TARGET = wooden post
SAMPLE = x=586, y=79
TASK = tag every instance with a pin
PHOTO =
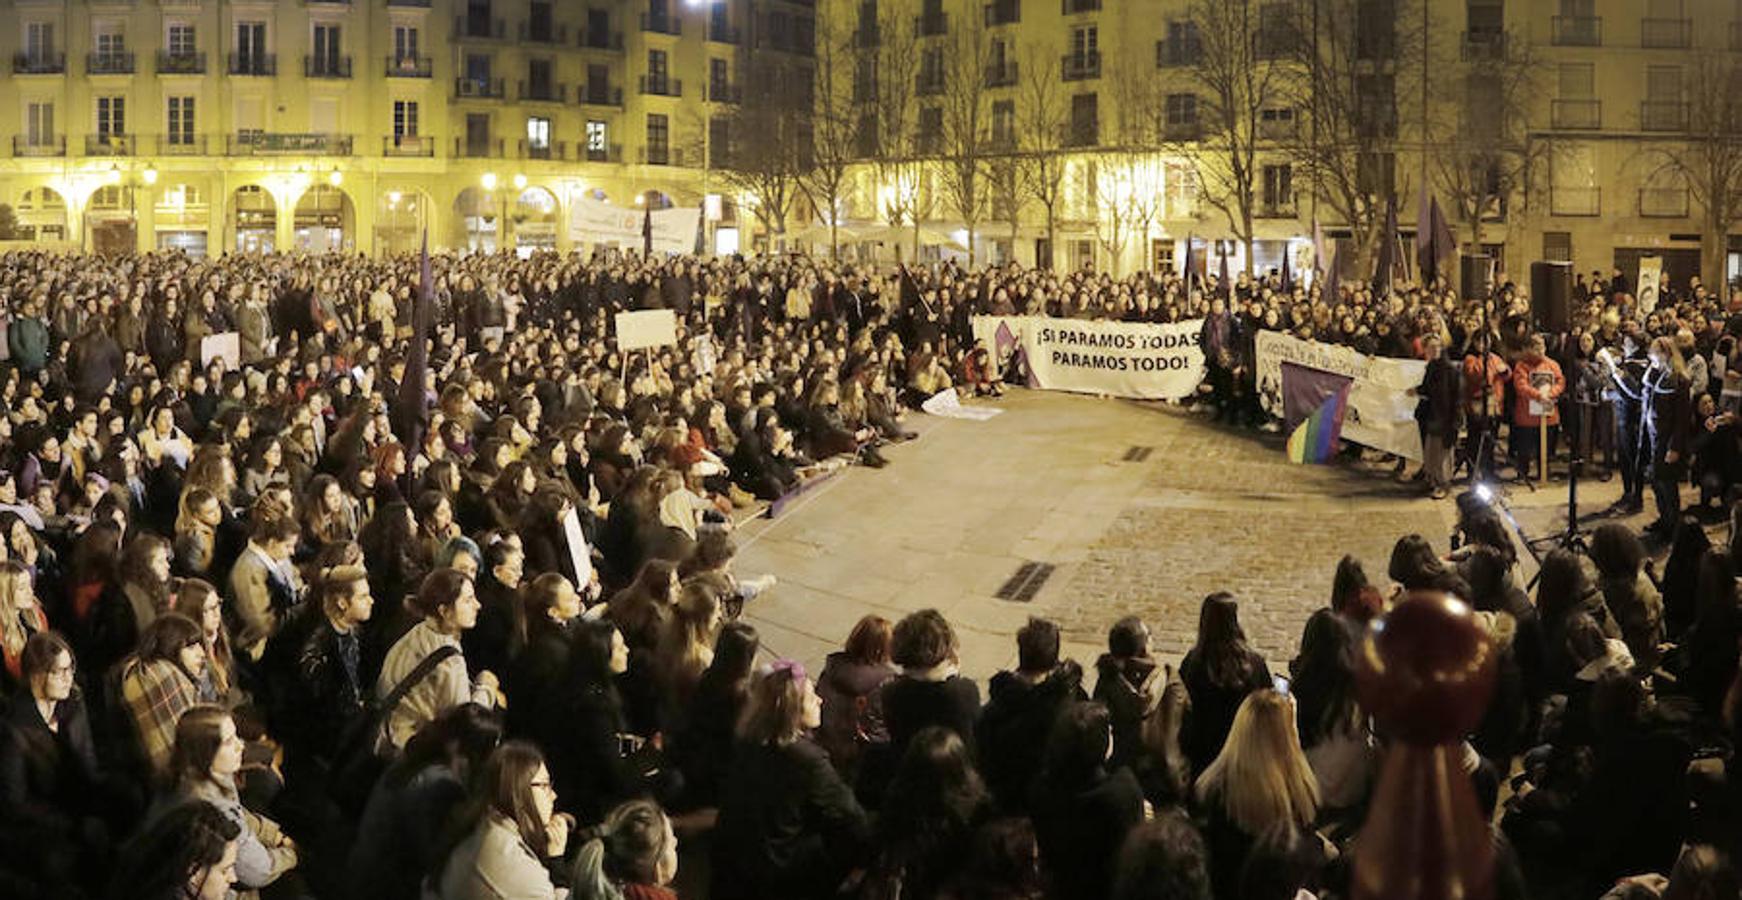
x=1425, y=673
x=1542, y=450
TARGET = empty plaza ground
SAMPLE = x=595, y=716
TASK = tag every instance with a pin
x=960, y=511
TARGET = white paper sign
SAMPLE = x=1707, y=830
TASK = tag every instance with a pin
x=579, y=555
x=646, y=328
x=1650, y=270
x=946, y=404
x=226, y=346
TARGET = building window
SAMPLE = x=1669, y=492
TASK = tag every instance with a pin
x=718, y=79
x=326, y=48
x=405, y=118
x=111, y=115
x=39, y=123
x=1182, y=110
x=656, y=66
x=538, y=133
x=1004, y=123
x=404, y=42
x=1557, y=246
x=931, y=129
x=1085, y=120
x=1279, y=187
x=39, y=40
x=1085, y=42
x=180, y=124
x=180, y=41
x=597, y=138
x=110, y=44
x=251, y=41
x=658, y=139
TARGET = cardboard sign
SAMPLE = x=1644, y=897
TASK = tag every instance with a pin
x=226, y=346
x=646, y=328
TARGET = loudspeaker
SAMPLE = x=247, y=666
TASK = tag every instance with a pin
x=1551, y=295
x=1474, y=271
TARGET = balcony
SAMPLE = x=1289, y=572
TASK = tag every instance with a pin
x=408, y=145
x=253, y=64
x=1072, y=7
x=1483, y=46
x=1172, y=54
x=550, y=150
x=723, y=33
x=661, y=86
x=479, y=29
x=661, y=156
x=1666, y=34
x=928, y=84
x=661, y=24
x=1081, y=66
x=326, y=67
x=543, y=92
x=1081, y=134
x=182, y=145
x=1003, y=12
x=478, y=148
x=43, y=145
x=416, y=4
x=612, y=153
x=599, y=95
x=479, y=88
x=108, y=64
x=271, y=143
x=1185, y=130
x=1002, y=76
x=1583, y=115
x=1578, y=31
x=1281, y=209
x=545, y=33
x=410, y=67
x=111, y=145
x=601, y=40
x=1277, y=129
x=39, y=64
x=1663, y=115
x=1575, y=201
x=932, y=25
x=1663, y=203
x=172, y=63
x=723, y=93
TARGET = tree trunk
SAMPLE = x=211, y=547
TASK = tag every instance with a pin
x=1714, y=256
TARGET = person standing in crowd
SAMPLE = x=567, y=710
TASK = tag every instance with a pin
x=1668, y=421
x=1485, y=378
x=1625, y=390
x=1537, y=384
x=1436, y=412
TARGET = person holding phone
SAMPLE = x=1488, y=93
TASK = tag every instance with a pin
x=1712, y=445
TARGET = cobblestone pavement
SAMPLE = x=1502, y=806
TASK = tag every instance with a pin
x=960, y=510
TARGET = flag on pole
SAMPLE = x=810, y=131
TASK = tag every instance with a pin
x=647, y=229
x=1314, y=403
x=1188, y=266
x=1332, y=287
x=410, y=407
x=1386, y=265
x=1226, y=283
x=1318, y=251
x=1287, y=277
x=1442, y=247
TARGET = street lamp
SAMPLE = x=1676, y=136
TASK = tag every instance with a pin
x=335, y=177
x=519, y=182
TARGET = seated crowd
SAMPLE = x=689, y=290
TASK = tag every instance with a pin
x=320, y=627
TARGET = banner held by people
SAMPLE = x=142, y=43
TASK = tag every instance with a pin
x=1380, y=413
x=1122, y=359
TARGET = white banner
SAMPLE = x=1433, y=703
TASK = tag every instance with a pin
x=1381, y=414
x=1650, y=270
x=596, y=222
x=646, y=328
x=1123, y=359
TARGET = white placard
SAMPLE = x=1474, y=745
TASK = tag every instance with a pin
x=646, y=328
x=226, y=346
x=579, y=555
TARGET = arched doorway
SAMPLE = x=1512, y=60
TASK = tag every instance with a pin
x=181, y=217
x=42, y=215
x=254, y=219
x=535, y=221
x=323, y=221
x=478, y=220
x=110, y=217
x=401, y=216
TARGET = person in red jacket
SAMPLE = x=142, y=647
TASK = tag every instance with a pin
x=1537, y=383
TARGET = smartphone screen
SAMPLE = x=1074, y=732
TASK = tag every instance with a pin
x=1280, y=682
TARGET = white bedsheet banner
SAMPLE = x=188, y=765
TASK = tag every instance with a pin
x=596, y=222
x=1121, y=359
x=1381, y=414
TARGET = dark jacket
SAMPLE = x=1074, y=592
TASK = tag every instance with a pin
x=852, y=709
x=1214, y=704
x=912, y=704
x=534, y=680
x=789, y=827
x=579, y=738
x=399, y=837
x=1079, y=829
x=488, y=645
x=48, y=779
x=319, y=682
x=27, y=339
x=1437, y=399
x=1014, y=726
x=1121, y=684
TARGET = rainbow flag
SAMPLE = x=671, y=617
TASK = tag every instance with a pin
x=1314, y=440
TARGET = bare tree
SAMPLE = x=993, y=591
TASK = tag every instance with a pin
x=834, y=126
x=1483, y=153
x=966, y=123
x=886, y=55
x=768, y=142
x=1708, y=158
x=1236, y=75
x=1355, y=83
x=1042, y=118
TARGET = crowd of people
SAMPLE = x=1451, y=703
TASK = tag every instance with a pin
x=357, y=618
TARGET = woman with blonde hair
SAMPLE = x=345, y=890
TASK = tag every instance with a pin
x=196, y=532
x=20, y=617
x=200, y=601
x=1261, y=778
x=686, y=647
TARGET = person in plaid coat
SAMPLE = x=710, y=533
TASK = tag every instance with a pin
x=157, y=685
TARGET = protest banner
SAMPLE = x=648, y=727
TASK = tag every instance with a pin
x=1650, y=271
x=1380, y=412
x=597, y=222
x=1121, y=359
x=226, y=346
x=646, y=328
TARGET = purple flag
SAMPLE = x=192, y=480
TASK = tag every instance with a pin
x=410, y=408
x=1386, y=265
x=1305, y=389
x=1227, y=284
